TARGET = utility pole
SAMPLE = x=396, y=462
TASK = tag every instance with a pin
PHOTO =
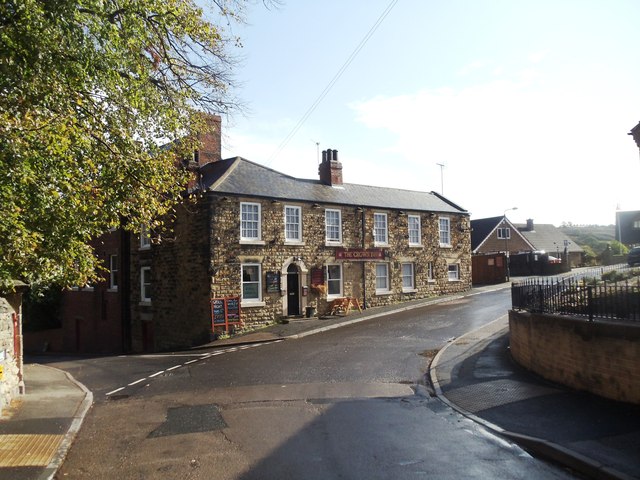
x=441, y=165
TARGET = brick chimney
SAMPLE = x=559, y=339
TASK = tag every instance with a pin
x=529, y=225
x=330, y=169
x=211, y=150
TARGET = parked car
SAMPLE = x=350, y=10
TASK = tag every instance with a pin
x=634, y=256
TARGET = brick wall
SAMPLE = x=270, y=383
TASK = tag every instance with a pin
x=599, y=357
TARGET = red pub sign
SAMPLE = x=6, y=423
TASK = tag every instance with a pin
x=362, y=254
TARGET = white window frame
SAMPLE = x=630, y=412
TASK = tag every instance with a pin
x=251, y=300
x=430, y=272
x=329, y=280
x=113, y=272
x=411, y=276
x=380, y=235
x=145, y=285
x=330, y=239
x=252, y=223
x=415, y=234
x=290, y=213
x=453, y=268
x=145, y=237
x=387, y=288
x=504, y=233
x=444, y=233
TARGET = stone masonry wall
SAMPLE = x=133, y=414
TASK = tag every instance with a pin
x=9, y=358
x=227, y=255
x=599, y=357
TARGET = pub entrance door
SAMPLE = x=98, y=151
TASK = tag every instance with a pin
x=293, y=290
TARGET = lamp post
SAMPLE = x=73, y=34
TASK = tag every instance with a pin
x=506, y=240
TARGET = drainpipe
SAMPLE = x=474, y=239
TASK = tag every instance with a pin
x=364, y=264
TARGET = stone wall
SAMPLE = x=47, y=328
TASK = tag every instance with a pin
x=10, y=356
x=599, y=357
x=227, y=255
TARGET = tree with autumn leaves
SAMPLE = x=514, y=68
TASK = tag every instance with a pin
x=90, y=91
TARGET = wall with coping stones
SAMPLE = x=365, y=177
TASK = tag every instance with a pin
x=600, y=357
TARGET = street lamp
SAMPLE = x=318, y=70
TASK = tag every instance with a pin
x=506, y=239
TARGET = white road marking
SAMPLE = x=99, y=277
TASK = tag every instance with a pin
x=156, y=374
x=173, y=368
x=114, y=391
x=137, y=381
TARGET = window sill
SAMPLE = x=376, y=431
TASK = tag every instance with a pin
x=409, y=290
x=415, y=245
x=383, y=292
x=112, y=290
x=146, y=247
x=145, y=303
x=252, y=304
x=454, y=280
x=333, y=244
x=252, y=242
x=294, y=243
x=378, y=245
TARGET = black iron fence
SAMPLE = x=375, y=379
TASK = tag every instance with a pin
x=585, y=296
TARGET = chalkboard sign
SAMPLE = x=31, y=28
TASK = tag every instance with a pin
x=225, y=311
x=233, y=309
x=217, y=311
x=273, y=282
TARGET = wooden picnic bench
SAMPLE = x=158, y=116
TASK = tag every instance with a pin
x=343, y=305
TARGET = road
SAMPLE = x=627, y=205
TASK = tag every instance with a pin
x=349, y=403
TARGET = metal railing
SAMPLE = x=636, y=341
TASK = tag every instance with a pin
x=583, y=295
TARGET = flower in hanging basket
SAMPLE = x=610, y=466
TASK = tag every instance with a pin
x=321, y=289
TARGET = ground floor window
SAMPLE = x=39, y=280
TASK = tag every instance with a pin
x=382, y=278
x=251, y=282
x=113, y=272
x=145, y=284
x=430, y=275
x=334, y=280
x=454, y=272
x=408, y=278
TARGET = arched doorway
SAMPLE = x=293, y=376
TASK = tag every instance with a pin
x=293, y=290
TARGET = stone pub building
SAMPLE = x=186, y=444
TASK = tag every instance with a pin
x=275, y=243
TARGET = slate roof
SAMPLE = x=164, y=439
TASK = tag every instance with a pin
x=241, y=177
x=543, y=236
x=481, y=229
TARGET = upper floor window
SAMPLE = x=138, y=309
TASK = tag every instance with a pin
x=251, y=282
x=113, y=272
x=145, y=284
x=445, y=232
x=145, y=237
x=636, y=224
x=292, y=224
x=408, y=277
x=382, y=278
x=414, y=229
x=504, y=233
x=334, y=280
x=380, y=232
x=333, y=226
x=250, y=224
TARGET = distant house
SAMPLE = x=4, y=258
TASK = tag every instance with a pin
x=531, y=248
x=628, y=227
x=550, y=239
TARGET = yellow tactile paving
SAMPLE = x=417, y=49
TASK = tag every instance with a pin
x=28, y=450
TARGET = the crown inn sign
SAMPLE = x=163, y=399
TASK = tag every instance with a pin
x=362, y=254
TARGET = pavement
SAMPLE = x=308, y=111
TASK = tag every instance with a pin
x=474, y=374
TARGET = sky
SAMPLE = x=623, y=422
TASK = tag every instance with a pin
x=526, y=104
